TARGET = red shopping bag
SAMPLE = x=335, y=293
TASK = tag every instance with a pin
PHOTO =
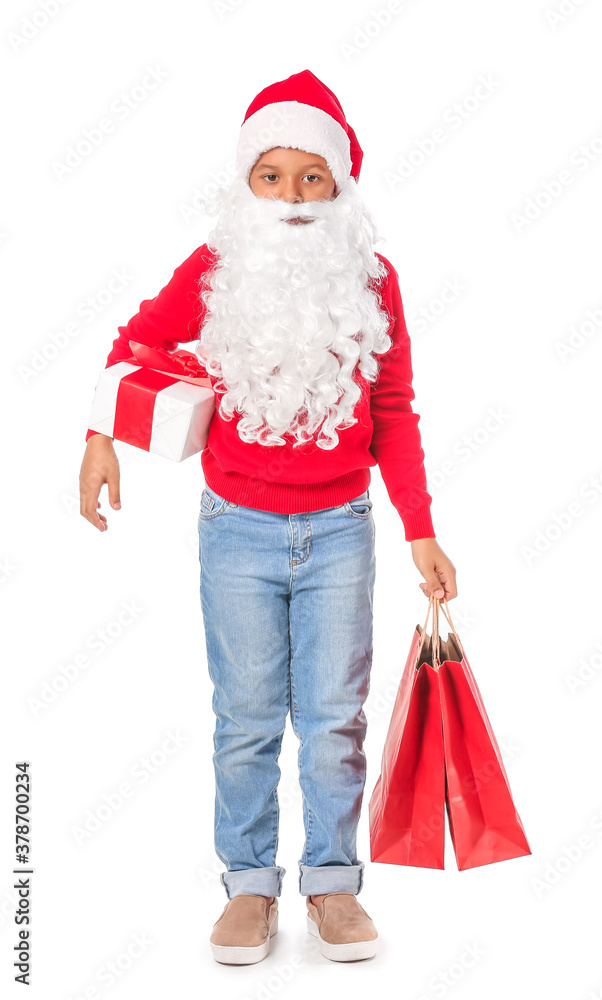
x=407, y=805
x=441, y=754
x=484, y=824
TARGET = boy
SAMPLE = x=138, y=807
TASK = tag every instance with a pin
x=302, y=332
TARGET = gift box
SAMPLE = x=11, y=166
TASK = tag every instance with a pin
x=156, y=400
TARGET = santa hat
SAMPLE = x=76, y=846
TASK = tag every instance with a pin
x=299, y=112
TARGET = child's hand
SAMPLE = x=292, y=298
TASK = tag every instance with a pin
x=438, y=571
x=100, y=465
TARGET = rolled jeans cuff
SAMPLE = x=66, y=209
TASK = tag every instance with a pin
x=330, y=878
x=254, y=881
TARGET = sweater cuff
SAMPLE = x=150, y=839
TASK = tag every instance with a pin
x=418, y=523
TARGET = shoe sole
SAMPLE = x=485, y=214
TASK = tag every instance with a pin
x=238, y=955
x=351, y=951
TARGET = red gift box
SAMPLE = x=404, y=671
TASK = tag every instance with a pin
x=156, y=400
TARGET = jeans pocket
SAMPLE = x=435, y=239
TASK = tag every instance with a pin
x=360, y=507
x=212, y=505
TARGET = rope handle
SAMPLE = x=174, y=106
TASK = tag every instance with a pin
x=447, y=614
x=435, y=604
x=435, y=636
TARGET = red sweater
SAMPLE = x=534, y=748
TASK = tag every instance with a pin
x=289, y=480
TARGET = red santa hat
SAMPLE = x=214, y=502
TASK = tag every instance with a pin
x=302, y=113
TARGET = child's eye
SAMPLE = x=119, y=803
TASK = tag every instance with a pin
x=269, y=177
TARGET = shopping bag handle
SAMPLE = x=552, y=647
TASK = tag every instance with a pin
x=435, y=648
x=447, y=614
x=434, y=604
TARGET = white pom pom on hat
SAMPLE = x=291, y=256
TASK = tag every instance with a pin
x=301, y=113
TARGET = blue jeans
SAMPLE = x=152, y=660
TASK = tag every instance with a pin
x=287, y=602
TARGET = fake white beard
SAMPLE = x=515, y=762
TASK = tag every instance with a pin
x=291, y=309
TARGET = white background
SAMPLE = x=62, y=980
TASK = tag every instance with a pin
x=516, y=517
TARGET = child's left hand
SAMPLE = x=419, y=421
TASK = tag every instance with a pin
x=438, y=571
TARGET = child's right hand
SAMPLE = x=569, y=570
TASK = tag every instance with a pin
x=100, y=465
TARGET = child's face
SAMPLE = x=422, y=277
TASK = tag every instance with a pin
x=291, y=175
